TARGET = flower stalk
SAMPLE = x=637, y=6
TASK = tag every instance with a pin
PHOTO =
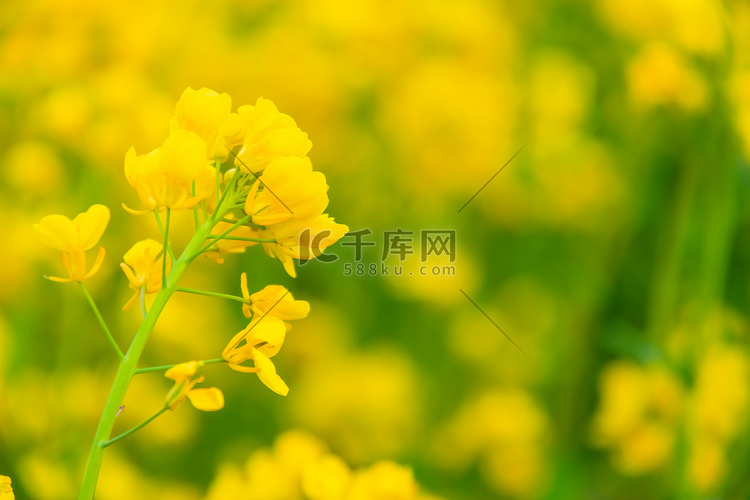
x=103, y=324
x=128, y=365
x=248, y=209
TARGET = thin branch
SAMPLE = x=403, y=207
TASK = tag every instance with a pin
x=104, y=326
x=164, y=368
x=143, y=424
x=161, y=230
x=166, y=245
x=217, y=238
x=212, y=294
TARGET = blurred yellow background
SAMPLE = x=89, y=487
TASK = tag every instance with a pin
x=614, y=249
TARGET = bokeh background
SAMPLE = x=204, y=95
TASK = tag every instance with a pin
x=614, y=249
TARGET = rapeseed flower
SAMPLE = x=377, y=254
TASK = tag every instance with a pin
x=6, y=491
x=73, y=238
x=291, y=190
x=273, y=300
x=638, y=415
x=208, y=114
x=205, y=399
x=303, y=240
x=259, y=341
x=384, y=479
x=164, y=178
x=269, y=134
x=143, y=268
x=661, y=75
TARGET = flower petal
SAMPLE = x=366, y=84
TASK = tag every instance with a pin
x=182, y=371
x=210, y=399
x=267, y=374
x=90, y=226
x=97, y=263
x=56, y=231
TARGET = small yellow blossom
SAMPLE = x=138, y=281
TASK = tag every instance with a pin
x=722, y=393
x=707, y=463
x=259, y=341
x=273, y=300
x=210, y=399
x=73, y=238
x=268, y=135
x=6, y=490
x=660, y=75
x=143, y=268
x=290, y=190
x=385, y=479
x=327, y=478
x=164, y=177
x=208, y=114
x=638, y=415
x=303, y=240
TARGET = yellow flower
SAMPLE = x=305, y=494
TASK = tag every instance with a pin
x=327, y=478
x=638, y=415
x=143, y=268
x=6, y=491
x=660, y=75
x=384, y=479
x=303, y=240
x=259, y=341
x=291, y=190
x=273, y=300
x=707, y=463
x=210, y=399
x=164, y=177
x=73, y=238
x=268, y=135
x=208, y=114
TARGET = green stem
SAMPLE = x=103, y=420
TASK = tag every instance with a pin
x=136, y=428
x=166, y=245
x=104, y=326
x=164, y=368
x=236, y=207
x=195, y=211
x=144, y=312
x=229, y=187
x=216, y=181
x=212, y=294
x=241, y=238
x=217, y=238
x=161, y=230
x=128, y=365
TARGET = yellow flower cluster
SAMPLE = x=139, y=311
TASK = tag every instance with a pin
x=6, y=491
x=284, y=200
x=637, y=416
x=299, y=466
x=718, y=413
x=511, y=450
x=268, y=194
x=643, y=410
